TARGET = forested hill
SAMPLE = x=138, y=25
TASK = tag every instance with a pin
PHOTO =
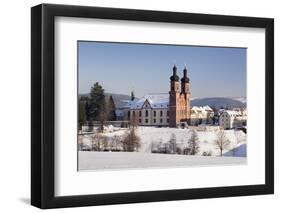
x=218, y=102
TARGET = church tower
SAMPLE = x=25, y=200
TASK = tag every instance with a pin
x=185, y=83
x=186, y=96
x=179, y=99
x=173, y=98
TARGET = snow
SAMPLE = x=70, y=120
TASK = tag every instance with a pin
x=242, y=99
x=206, y=138
x=157, y=100
x=240, y=151
x=232, y=112
x=201, y=109
x=138, y=160
x=151, y=136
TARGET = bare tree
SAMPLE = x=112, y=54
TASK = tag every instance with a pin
x=134, y=121
x=103, y=114
x=193, y=143
x=99, y=142
x=104, y=143
x=95, y=141
x=115, y=142
x=221, y=141
x=172, y=144
x=131, y=141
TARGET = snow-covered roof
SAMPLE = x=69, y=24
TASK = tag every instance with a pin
x=207, y=108
x=157, y=100
x=201, y=109
x=232, y=112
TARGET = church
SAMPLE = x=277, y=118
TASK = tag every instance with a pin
x=163, y=109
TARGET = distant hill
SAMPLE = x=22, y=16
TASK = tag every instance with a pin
x=218, y=102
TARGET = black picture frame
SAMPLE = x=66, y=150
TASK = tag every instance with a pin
x=43, y=102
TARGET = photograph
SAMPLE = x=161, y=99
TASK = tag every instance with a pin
x=143, y=106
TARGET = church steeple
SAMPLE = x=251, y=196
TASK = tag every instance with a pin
x=179, y=100
x=185, y=79
x=174, y=77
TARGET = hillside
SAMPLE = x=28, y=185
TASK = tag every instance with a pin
x=217, y=102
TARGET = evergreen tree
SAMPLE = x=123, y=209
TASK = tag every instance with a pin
x=111, y=109
x=82, y=112
x=132, y=96
x=96, y=106
x=87, y=110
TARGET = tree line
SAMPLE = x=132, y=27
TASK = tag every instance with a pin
x=221, y=143
x=96, y=107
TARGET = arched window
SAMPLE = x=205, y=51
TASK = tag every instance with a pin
x=146, y=113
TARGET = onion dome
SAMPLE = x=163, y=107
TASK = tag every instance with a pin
x=174, y=77
x=185, y=79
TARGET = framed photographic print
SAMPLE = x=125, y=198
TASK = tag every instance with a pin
x=139, y=106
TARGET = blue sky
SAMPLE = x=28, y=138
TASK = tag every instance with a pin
x=146, y=68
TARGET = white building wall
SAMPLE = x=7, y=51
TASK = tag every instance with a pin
x=148, y=118
x=225, y=120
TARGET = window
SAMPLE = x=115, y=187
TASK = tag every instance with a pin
x=161, y=113
x=168, y=113
x=146, y=113
x=161, y=120
x=146, y=120
x=139, y=120
x=129, y=114
x=140, y=113
x=154, y=113
x=154, y=120
x=134, y=113
x=167, y=120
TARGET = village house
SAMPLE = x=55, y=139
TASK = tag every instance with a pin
x=201, y=115
x=232, y=119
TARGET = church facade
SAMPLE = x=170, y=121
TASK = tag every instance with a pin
x=163, y=109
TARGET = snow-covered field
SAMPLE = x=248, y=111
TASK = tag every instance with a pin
x=235, y=154
x=138, y=160
x=154, y=135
